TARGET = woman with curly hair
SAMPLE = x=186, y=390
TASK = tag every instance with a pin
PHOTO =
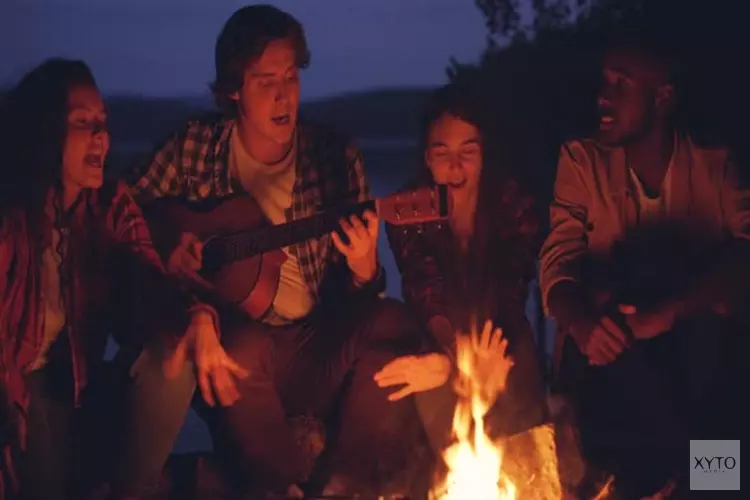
x=472, y=269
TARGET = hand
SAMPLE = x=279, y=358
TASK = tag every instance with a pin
x=362, y=251
x=603, y=342
x=187, y=257
x=215, y=369
x=414, y=373
x=483, y=362
x=647, y=325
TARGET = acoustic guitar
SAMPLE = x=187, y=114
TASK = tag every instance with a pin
x=242, y=250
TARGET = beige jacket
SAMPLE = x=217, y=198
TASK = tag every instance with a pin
x=593, y=202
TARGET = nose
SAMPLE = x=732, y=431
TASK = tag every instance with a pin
x=455, y=168
x=282, y=92
x=605, y=95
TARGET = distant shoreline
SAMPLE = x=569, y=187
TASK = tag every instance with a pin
x=382, y=143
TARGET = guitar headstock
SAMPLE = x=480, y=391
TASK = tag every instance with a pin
x=415, y=206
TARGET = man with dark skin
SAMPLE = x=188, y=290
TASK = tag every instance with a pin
x=639, y=172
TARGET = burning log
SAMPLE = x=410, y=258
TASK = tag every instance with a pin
x=527, y=465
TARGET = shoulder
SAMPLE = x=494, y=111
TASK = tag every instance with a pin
x=204, y=128
x=112, y=199
x=585, y=151
x=713, y=156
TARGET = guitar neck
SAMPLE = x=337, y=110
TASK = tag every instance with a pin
x=246, y=244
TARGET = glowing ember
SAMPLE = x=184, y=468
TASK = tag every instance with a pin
x=474, y=462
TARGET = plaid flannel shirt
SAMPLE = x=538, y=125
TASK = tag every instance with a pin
x=112, y=278
x=425, y=258
x=194, y=164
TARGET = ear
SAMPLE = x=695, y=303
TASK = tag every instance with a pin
x=665, y=97
x=427, y=157
x=235, y=96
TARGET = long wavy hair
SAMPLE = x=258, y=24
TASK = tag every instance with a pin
x=33, y=130
x=491, y=264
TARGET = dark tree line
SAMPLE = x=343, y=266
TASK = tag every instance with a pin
x=540, y=71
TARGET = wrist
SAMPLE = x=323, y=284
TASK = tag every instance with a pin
x=365, y=272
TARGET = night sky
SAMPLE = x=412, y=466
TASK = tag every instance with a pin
x=165, y=47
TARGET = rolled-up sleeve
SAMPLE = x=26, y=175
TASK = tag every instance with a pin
x=566, y=241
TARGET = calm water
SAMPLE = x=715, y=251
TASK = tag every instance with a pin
x=389, y=164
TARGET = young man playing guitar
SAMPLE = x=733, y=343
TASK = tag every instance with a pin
x=671, y=221
x=326, y=325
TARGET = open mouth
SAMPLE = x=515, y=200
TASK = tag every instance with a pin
x=93, y=160
x=282, y=120
x=606, y=120
x=457, y=185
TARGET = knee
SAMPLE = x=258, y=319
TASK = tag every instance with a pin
x=390, y=319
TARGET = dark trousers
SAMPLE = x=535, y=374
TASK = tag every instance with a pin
x=122, y=433
x=638, y=414
x=69, y=449
x=323, y=367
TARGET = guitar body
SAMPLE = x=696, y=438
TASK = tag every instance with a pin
x=249, y=283
x=242, y=250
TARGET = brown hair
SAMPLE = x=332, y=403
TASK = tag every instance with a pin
x=243, y=39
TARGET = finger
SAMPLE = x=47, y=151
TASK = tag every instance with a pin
x=401, y=393
x=496, y=339
x=626, y=309
x=502, y=347
x=373, y=223
x=235, y=368
x=196, y=251
x=614, y=331
x=397, y=372
x=607, y=353
x=484, y=341
x=345, y=225
x=612, y=345
x=339, y=244
x=224, y=386
x=189, y=261
x=398, y=365
x=205, y=385
x=358, y=227
x=398, y=379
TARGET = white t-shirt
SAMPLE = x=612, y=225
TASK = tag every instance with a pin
x=271, y=186
x=652, y=209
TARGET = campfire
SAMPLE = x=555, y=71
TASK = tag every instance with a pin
x=479, y=467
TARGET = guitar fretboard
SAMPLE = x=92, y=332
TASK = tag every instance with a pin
x=246, y=244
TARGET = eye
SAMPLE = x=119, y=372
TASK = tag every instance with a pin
x=470, y=150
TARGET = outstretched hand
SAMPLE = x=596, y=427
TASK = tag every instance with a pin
x=414, y=374
x=216, y=371
x=482, y=359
